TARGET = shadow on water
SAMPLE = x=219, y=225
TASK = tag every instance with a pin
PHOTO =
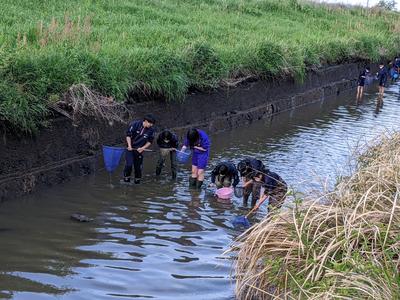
x=160, y=239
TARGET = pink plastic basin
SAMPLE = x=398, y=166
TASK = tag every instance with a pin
x=224, y=193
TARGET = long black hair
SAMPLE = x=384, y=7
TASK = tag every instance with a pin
x=193, y=136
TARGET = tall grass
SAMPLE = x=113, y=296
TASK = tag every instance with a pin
x=162, y=48
x=345, y=245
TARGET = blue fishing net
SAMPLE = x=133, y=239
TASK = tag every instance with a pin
x=112, y=157
x=241, y=221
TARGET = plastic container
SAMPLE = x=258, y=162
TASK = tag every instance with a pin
x=239, y=190
x=224, y=193
x=182, y=156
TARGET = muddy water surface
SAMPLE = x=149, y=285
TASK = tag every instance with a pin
x=160, y=240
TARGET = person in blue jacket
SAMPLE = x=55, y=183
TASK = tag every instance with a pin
x=381, y=76
x=225, y=174
x=275, y=189
x=198, y=141
x=139, y=136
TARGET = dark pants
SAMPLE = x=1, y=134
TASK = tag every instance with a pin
x=135, y=159
x=254, y=190
x=161, y=161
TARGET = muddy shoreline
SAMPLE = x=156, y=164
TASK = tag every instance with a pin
x=63, y=151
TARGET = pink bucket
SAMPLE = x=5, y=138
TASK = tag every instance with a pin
x=224, y=193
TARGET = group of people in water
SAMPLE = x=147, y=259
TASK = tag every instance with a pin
x=256, y=179
x=381, y=76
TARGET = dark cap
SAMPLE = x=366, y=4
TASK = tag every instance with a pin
x=150, y=118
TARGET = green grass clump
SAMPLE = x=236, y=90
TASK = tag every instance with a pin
x=161, y=48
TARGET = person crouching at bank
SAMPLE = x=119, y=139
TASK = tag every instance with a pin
x=199, y=142
x=168, y=143
x=139, y=136
x=275, y=189
x=247, y=168
x=224, y=174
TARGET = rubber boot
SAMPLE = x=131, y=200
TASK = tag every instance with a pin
x=192, y=181
x=174, y=175
x=199, y=184
x=158, y=171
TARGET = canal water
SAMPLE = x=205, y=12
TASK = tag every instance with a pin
x=160, y=240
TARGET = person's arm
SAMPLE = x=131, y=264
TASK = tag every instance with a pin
x=129, y=142
x=141, y=149
x=204, y=144
x=174, y=143
x=129, y=136
x=213, y=177
x=261, y=201
x=236, y=179
x=148, y=143
x=246, y=184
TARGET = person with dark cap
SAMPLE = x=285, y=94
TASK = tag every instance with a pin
x=168, y=143
x=248, y=168
x=275, y=189
x=224, y=174
x=199, y=142
x=139, y=136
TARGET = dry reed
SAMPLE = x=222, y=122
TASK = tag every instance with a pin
x=344, y=245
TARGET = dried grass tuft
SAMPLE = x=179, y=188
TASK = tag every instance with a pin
x=346, y=248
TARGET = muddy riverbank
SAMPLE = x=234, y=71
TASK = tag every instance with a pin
x=63, y=151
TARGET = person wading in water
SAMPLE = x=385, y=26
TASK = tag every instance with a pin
x=139, y=136
x=168, y=143
x=199, y=142
x=224, y=174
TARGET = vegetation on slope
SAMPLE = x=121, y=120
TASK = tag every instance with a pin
x=162, y=48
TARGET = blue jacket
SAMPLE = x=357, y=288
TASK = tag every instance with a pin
x=203, y=142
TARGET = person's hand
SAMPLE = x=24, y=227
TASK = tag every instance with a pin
x=129, y=148
x=140, y=150
x=211, y=185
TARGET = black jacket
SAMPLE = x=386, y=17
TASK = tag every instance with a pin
x=140, y=135
x=232, y=172
x=172, y=143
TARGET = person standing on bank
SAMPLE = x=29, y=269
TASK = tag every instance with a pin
x=139, y=136
x=168, y=143
x=224, y=174
x=199, y=142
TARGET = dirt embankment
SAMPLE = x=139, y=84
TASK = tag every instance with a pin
x=63, y=151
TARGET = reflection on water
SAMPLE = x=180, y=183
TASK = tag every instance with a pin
x=160, y=240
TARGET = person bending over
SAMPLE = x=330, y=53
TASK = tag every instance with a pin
x=199, y=143
x=225, y=174
x=168, y=143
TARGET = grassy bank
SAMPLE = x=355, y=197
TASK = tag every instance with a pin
x=162, y=48
x=347, y=248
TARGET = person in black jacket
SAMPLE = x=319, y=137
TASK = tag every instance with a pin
x=248, y=168
x=361, y=82
x=275, y=189
x=225, y=174
x=381, y=76
x=139, y=136
x=168, y=143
